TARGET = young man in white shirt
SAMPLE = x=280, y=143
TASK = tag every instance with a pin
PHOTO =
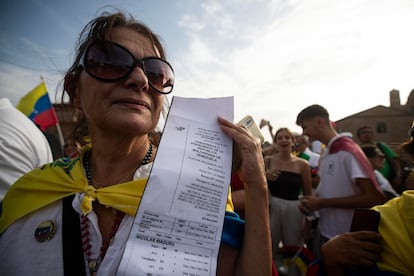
x=346, y=177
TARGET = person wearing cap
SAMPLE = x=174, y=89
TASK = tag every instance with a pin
x=392, y=168
x=347, y=180
x=377, y=158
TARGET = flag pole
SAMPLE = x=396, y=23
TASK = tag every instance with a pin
x=59, y=130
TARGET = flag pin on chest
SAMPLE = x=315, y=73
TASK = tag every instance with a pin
x=45, y=231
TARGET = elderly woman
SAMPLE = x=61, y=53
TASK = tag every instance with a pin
x=73, y=216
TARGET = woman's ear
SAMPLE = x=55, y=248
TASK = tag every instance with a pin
x=320, y=122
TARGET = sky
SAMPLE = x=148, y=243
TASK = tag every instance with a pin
x=275, y=57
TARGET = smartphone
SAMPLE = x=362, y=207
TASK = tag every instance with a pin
x=365, y=220
x=250, y=124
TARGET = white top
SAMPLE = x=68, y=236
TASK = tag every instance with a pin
x=316, y=146
x=337, y=172
x=22, y=254
x=23, y=146
x=384, y=183
x=313, y=158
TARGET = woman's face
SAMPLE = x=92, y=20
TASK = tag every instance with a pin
x=284, y=140
x=366, y=135
x=127, y=106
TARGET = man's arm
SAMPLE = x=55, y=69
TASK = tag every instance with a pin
x=368, y=197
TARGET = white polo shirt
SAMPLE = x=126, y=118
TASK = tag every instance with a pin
x=338, y=172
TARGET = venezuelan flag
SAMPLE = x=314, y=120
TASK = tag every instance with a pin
x=302, y=257
x=37, y=106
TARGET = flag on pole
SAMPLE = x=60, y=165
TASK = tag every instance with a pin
x=37, y=106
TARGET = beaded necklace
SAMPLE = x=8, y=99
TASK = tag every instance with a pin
x=85, y=160
x=93, y=264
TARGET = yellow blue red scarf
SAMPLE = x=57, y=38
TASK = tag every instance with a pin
x=65, y=177
x=62, y=178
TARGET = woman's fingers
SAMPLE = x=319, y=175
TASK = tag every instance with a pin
x=247, y=151
x=239, y=133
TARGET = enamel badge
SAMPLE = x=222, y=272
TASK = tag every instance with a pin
x=45, y=231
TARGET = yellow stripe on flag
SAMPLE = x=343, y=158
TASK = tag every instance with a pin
x=27, y=103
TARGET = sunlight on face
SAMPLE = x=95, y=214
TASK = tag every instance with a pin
x=128, y=105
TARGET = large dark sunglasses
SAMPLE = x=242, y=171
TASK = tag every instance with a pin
x=109, y=62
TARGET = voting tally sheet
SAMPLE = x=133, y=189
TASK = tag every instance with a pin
x=178, y=226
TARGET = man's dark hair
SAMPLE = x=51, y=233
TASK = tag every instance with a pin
x=312, y=112
x=370, y=151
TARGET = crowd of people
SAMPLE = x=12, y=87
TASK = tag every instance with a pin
x=286, y=195
x=346, y=176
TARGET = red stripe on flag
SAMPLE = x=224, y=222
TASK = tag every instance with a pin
x=46, y=119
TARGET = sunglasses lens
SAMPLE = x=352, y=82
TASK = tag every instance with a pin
x=108, y=62
x=160, y=74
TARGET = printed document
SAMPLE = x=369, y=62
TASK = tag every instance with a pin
x=177, y=229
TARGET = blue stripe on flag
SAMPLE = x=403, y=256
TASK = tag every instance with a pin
x=41, y=105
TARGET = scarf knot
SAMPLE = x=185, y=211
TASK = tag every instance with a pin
x=89, y=197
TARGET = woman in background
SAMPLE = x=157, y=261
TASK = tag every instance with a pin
x=288, y=177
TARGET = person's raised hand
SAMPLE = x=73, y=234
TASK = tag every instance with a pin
x=247, y=154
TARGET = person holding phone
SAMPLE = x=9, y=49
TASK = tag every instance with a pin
x=387, y=250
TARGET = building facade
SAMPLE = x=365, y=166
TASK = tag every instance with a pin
x=390, y=123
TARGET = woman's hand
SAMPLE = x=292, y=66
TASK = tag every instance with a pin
x=309, y=204
x=272, y=175
x=249, y=163
x=247, y=154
